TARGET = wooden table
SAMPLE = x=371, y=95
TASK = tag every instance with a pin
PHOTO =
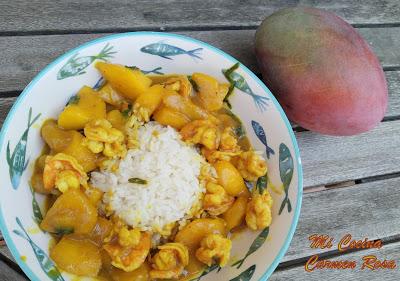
x=351, y=184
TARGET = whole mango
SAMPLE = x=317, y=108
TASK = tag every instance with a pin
x=321, y=70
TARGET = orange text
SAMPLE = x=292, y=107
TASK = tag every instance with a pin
x=320, y=241
x=372, y=263
x=314, y=263
x=347, y=243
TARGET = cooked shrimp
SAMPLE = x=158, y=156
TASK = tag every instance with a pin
x=63, y=171
x=203, y=132
x=229, y=141
x=180, y=84
x=251, y=165
x=170, y=261
x=213, y=156
x=102, y=137
x=214, y=248
x=216, y=201
x=133, y=254
x=258, y=213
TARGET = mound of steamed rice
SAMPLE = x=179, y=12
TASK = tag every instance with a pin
x=171, y=169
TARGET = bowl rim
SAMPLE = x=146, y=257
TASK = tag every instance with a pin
x=6, y=235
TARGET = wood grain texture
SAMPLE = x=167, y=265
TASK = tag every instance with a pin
x=328, y=159
x=21, y=64
x=388, y=252
x=4, y=251
x=9, y=274
x=393, y=80
x=364, y=210
x=90, y=15
x=5, y=106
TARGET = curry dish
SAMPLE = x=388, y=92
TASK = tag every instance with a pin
x=98, y=128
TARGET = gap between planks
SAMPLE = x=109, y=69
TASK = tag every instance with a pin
x=349, y=183
x=108, y=31
x=66, y=16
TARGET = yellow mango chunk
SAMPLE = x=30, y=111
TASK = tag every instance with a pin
x=72, y=212
x=211, y=93
x=184, y=105
x=116, y=119
x=100, y=231
x=192, y=234
x=230, y=178
x=235, y=215
x=151, y=99
x=110, y=96
x=86, y=107
x=130, y=83
x=139, y=274
x=169, y=117
x=77, y=256
x=69, y=142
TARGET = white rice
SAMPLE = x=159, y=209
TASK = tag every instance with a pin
x=171, y=169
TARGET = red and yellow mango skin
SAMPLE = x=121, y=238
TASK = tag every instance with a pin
x=323, y=73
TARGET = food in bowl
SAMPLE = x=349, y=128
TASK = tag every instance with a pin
x=148, y=176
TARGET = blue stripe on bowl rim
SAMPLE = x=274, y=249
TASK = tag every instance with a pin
x=282, y=251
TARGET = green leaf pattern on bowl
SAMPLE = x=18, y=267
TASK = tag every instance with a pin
x=37, y=213
x=76, y=65
x=257, y=243
x=245, y=275
x=45, y=262
x=16, y=160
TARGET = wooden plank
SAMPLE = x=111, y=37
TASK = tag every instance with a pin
x=364, y=210
x=385, y=42
x=6, y=253
x=23, y=57
x=393, y=80
x=328, y=159
x=9, y=274
x=64, y=16
x=388, y=252
x=5, y=106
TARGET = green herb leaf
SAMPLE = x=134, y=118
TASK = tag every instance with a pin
x=132, y=67
x=262, y=183
x=194, y=84
x=239, y=131
x=227, y=73
x=64, y=230
x=137, y=180
x=126, y=112
x=73, y=100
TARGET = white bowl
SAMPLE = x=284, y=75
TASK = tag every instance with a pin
x=49, y=91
